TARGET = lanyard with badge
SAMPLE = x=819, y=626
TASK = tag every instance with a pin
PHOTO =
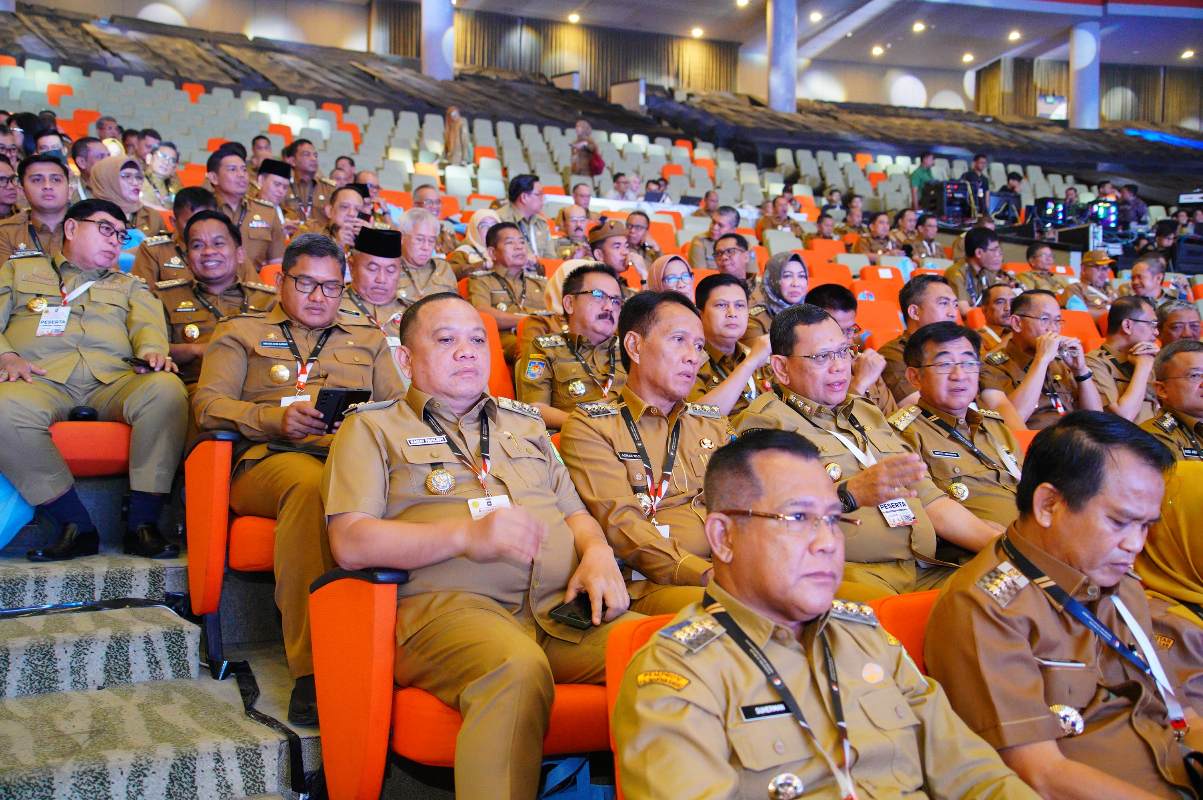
x=1008, y=460
x=53, y=321
x=605, y=387
x=304, y=365
x=478, y=506
x=1148, y=665
x=841, y=772
x=393, y=341
x=519, y=302
x=214, y=310
x=656, y=490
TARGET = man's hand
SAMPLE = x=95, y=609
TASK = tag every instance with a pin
x=159, y=362
x=1047, y=347
x=598, y=576
x=888, y=479
x=346, y=234
x=508, y=534
x=301, y=420
x=1143, y=353
x=14, y=368
x=760, y=351
x=866, y=369
x=1072, y=354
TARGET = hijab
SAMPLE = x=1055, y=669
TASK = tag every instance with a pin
x=104, y=181
x=1171, y=564
x=773, y=300
x=554, y=294
x=472, y=234
x=655, y=274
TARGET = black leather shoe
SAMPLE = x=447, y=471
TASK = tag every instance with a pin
x=146, y=541
x=302, y=706
x=71, y=544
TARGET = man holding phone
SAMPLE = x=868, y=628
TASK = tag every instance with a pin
x=466, y=492
x=261, y=376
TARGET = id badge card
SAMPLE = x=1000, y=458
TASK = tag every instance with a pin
x=481, y=507
x=285, y=402
x=393, y=341
x=53, y=321
x=897, y=513
x=663, y=529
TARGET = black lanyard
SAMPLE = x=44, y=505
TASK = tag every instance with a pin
x=519, y=303
x=355, y=298
x=304, y=364
x=302, y=205
x=796, y=404
x=655, y=491
x=842, y=772
x=37, y=242
x=605, y=387
x=212, y=309
x=482, y=472
x=965, y=442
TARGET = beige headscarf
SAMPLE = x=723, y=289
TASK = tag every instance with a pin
x=554, y=294
x=655, y=275
x=1171, y=564
x=473, y=232
x=104, y=181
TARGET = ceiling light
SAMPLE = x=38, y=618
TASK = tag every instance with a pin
x=697, y=33
x=1188, y=53
x=741, y=3
x=574, y=18
x=918, y=27
x=1014, y=36
x=967, y=58
x=816, y=16
x=877, y=50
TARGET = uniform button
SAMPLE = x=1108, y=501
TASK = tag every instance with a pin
x=1092, y=592
x=778, y=747
x=638, y=476
x=898, y=711
x=956, y=470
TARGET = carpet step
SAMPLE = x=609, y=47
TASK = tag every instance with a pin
x=165, y=739
x=95, y=650
x=24, y=584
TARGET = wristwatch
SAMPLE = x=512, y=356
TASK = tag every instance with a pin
x=846, y=498
x=1085, y=376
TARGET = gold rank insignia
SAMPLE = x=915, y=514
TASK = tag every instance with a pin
x=1070, y=718
x=833, y=471
x=576, y=388
x=851, y=611
x=440, y=481
x=1166, y=422
x=185, y=305
x=694, y=634
x=37, y=304
x=958, y=491
x=706, y=443
x=1002, y=583
x=1163, y=641
x=704, y=410
x=902, y=418
x=279, y=373
x=662, y=677
x=191, y=332
x=998, y=358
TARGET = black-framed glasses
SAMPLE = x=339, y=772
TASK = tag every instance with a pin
x=945, y=367
x=306, y=285
x=824, y=358
x=7, y=180
x=801, y=522
x=1044, y=320
x=1152, y=322
x=109, y=230
x=1194, y=376
x=598, y=294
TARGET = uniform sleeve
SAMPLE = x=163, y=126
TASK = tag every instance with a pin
x=479, y=294
x=671, y=744
x=567, y=500
x=275, y=250
x=956, y=279
x=546, y=248
x=216, y=404
x=533, y=376
x=146, y=322
x=7, y=291
x=387, y=383
x=697, y=254
x=355, y=478
x=994, y=378
x=145, y=266
x=601, y=480
x=1104, y=381
x=6, y=242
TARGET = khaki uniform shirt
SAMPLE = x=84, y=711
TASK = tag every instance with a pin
x=248, y=369
x=432, y=277
x=1181, y=433
x=1113, y=376
x=1178, y=635
x=497, y=289
x=16, y=237
x=566, y=249
x=894, y=373
x=759, y=318
x=535, y=230
x=879, y=394
x=969, y=284
x=379, y=464
x=116, y=318
x=992, y=339
x=190, y=321
x=772, y=224
x=1164, y=296
x=608, y=473
x=648, y=250
x=719, y=365
x=308, y=203
x=263, y=238
x=871, y=245
x=549, y=372
x=695, y=717
x=466, y=259
x=873, y=540
x=1005, y=368
x=922, y=248
x=356, y=310
x=1006, y=654
x=539, y=325
x=447, y=241
x=1048, y=281
x=987, y=490
x=1097, y=300
x=809, y=238
x=701, y=252
x=148, y=220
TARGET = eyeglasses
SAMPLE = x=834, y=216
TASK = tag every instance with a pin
x=1194, y=376
x=678, y=280
x=306, y=285
x=1056, y=322
x=109, y=230
x=801, y=523
x=824, y=358
x=728, y=251
x=7, y=180
x=598, y=294
x=945, y=367
x=1152, y=322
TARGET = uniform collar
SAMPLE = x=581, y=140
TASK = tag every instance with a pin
x=809, y=407
x=413, y=268
x=420, y=401
x=582, y=345
x=1015, y=351
x=234, y=288
x=759, y=628
x=1187, y=421
x=278, y=315
x=638, y=407
x=1075, y=583
x=971, y=417
x=727, y=362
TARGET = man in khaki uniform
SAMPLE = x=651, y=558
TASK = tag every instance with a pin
x=1178, y=320
x=378, y=208
x=881, y=482
x=164, y=257
x=1123, y=364
x=213, y=293
x=39, y=228
x=68, y=324
x=1178, y=369
x=867, y=364
x=371, y=297
x=905, y=230
x=261, y=377
x=582, y=196
x=971, y=454
x=343, y=216
x=825, y=231
x=307, y=198
x=525, y=209
x=924, y=299
x=271, y=185
x=1094, y=289
x=925, y=245
x=734, y=374
x=877, y=242
x=701, y=248
x=708, y=206
x=404, y=487
x=430, y=198
x=1041, y=276
x=575, y=244
x=854, y=222
x=1066, y=710
x=610, y=246
x=638, y=240
x=262, y=233
x=1148, y=280
x=696, y=717
x=507, y=292
x=980, y=269
x=422, y=273
x=555, y=372
x=638, y=462
x=1043, y=373
x=996, y=308
x=780, y=220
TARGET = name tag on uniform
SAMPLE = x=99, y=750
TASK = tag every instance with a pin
x=945, y=454
x=274, y=343
x=627, y=456
x=285, y=402
x=481, y=507
x=1187, y=452
x=259, y=223
x=421, y=441
x=53, y=321
x=763, y=711
x=897, y=513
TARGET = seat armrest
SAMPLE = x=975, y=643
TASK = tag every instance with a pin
x=369, y=575
x=207, y=517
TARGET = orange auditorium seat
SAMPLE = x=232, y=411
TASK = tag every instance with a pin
x=706, y=164
x=488, y=198
x=1024, y=437
x=875, y=178
x=462, y=286
x=671, y=169
x=194, y=90
x=267, y=275
x=281, y=130
x=762, y=257
x=676, y=215
x=876, y=289
x=700, y=274
x=632, y=277
x=662, y=233
x=1081, y=325
x=905, y=616
x=93, y=449
x=501, y=382
x=685, y=143
x=483, y=151
x=7, y=61
x=334, y=108
x=403, y=200
x=880, y=319
x=353, y=626
x=192, y=174
x=825, y=249
x=217, y=141
x=863, y=159
x=976, y=318
x=821, y=272
x=56, y=91
x=625, y=638
x=449, y=206
x=1016, y=267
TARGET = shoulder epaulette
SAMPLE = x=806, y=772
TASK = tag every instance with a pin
x=595, y=409
x=1166, y=422
x=998, y=358
x=551, y=340
x=694, y=634
x=155, y=241
x=1003, y=583
x=525, y=409
x=327, y=181
x=173, y=283
x=535, y=277
x=756, y=311
x=261, y=287
x=27, y=253
x=262, y=202
x=704, y=410
x=988, y=414
x=851, y=611
x=903, y=417
x=480, y=273
x=374, y=406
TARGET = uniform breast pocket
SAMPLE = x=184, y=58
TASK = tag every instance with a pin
x=259, y=233
x=567, y=370
x=1067, y=682
x=890, y=742
x=420, y=460
x=272, y=369
x=769, y=747
x=348, y=367
x=108, y=297
x=884, y=441
x=527, y=465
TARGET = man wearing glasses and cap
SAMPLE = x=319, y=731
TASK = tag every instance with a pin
x=261, y=377
x=371, y=297
x=76, y=332
x=1094, y=289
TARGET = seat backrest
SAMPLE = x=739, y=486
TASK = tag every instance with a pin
x=1081, y=325
x=905, y=616
x=624, y=639
x=880, y=319
x=821, y=272
x=501, y=382
x=1024, y=438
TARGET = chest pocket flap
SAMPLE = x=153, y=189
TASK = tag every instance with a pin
x=769, y=743
x=280, y=353
x=426, y=453
x=887, y=709
x=36, y=284
x=353, y=356
x=108, y=296
x=1069, y=684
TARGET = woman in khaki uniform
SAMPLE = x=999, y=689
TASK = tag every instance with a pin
x=118, y=179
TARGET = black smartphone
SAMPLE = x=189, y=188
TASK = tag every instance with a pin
x=577, y=614
x=365, y=216
x=134, y=361
x=333, y=403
